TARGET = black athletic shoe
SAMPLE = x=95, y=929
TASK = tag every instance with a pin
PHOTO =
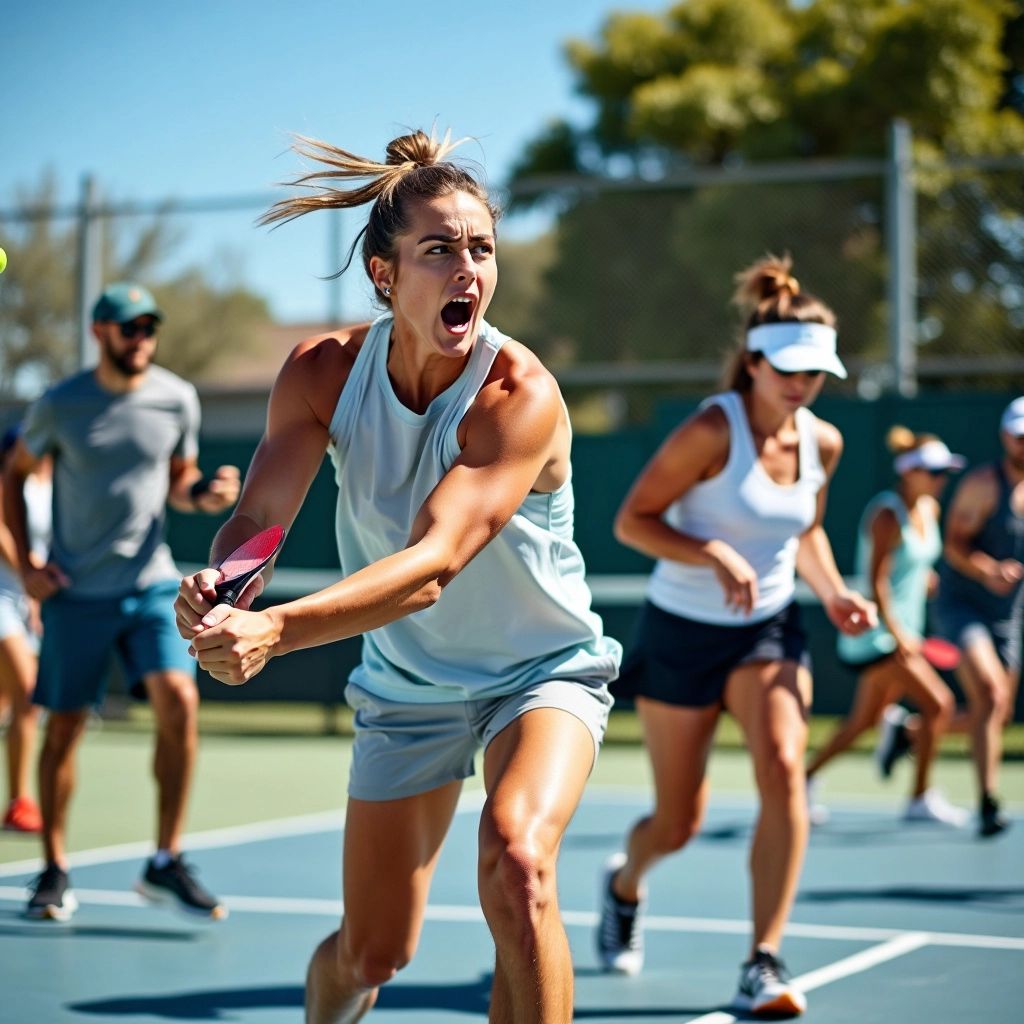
x=765, y=989
x=620, y=937
x=991, y=820
x=176, y=882
x=893, y=739
x=52, y=898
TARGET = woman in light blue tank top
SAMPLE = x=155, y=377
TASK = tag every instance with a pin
x=455, y=512
x=732, y=507
x=898, y=544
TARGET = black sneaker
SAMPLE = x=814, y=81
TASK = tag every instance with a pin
x=176, y=881
x=991, y=820
x=765, y=989
x=52, y=898
x=620, y=938
x=893, y=739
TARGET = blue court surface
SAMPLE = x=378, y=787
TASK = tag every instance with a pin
x=893, y=922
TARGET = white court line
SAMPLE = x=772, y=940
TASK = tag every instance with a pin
x=472, y=914
x=234, y=835
x=855, y=964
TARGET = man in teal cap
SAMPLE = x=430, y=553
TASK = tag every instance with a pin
x=124, y=441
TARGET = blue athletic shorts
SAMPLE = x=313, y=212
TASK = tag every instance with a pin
x=81, y=636
x=688, y=663
x=955, y=620
x=14, y=619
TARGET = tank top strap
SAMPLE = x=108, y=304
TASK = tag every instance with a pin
x=811, y=469
x=359, y=377
x=742, y=453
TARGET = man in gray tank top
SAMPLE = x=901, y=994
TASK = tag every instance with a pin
x=124, y=442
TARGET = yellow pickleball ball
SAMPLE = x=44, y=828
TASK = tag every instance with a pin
x=3, y=261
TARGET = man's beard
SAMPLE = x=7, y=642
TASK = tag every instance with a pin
x=122, y=362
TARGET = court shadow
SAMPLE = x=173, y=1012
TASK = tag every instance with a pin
x=211, y=1004
x=592, y=840
x=47, y=930
x=989, y=898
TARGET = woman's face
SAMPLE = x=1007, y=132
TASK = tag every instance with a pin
x=444, y=275
x=788, y=391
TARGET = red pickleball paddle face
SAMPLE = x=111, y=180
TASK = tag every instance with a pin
x=940, y=654
x=239, y=568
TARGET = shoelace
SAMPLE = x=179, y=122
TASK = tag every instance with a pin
x=620, y=926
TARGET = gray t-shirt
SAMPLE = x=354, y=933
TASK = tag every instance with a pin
x=111, y=476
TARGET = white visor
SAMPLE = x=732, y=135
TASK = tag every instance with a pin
x=1013, y=418
x=793, y=347
x=931, y=455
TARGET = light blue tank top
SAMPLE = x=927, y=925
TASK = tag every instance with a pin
x=910, y=566
x=519, y=613
x=745, y=507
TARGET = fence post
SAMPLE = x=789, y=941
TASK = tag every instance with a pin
x=901, y=230
x=90, y=270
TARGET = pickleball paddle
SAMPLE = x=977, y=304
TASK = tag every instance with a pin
x=939, y=653
x=247, y=560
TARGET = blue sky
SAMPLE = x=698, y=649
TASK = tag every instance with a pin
x=197, y=99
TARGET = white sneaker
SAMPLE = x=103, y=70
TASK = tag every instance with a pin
x=933, y=806
x=765, y=989
x=817, y=812
x=620, y=937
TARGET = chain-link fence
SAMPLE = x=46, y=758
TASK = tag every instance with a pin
x=623, y=286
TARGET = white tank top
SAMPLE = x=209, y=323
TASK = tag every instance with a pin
x=519, y=613
x=744, y=507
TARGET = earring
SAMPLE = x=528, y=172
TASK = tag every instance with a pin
x=387, y=292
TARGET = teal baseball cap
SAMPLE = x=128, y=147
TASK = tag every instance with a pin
x=125, y=301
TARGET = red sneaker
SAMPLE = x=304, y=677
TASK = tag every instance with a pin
x=23, y=816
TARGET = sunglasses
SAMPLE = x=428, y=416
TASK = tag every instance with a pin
x=133, y=328
x=937, y=472
x=796, y=373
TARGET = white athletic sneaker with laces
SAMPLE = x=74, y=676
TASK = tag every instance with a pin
x=817, y=812
x=931, y=805
x=765, y=989
x=620, y=938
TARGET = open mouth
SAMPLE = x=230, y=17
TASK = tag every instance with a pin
x=457, y=313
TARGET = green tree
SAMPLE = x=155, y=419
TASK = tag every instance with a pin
x=205, y=325
x=646, y=274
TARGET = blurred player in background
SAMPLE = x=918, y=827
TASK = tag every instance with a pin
x=898, y=544
x=20, y=627
x=980, y=602
x=732, y=506
x=124, y=442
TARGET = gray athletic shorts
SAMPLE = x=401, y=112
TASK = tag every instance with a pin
x=402, y=749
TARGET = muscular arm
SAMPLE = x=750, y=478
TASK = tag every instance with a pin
x=885, y=538
x=973, y=503
x=696, y=450
x=511, y=437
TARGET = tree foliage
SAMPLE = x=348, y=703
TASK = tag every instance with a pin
x=204, y=325
x=646, y=274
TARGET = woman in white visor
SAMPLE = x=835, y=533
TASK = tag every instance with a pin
x=732, y=506
x=898, y=544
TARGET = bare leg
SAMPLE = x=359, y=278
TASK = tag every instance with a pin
x=57, y=763
x=935, y=704
x=990, y=689
x=535, y=770
x=874, y=691
x=391, y=850
x=678, y=741
x=175, y=701
x=770, y=701
x=17, y=680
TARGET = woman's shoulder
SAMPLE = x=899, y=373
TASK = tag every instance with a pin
x=829, y=438
x=318, y=367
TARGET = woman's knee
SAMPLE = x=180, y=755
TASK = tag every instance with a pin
x=671, y=832
x=517, y=880
x=780, y=771
x=371, y=960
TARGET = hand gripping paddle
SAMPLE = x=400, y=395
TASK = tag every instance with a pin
x=940, y=654
x=243, y=564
